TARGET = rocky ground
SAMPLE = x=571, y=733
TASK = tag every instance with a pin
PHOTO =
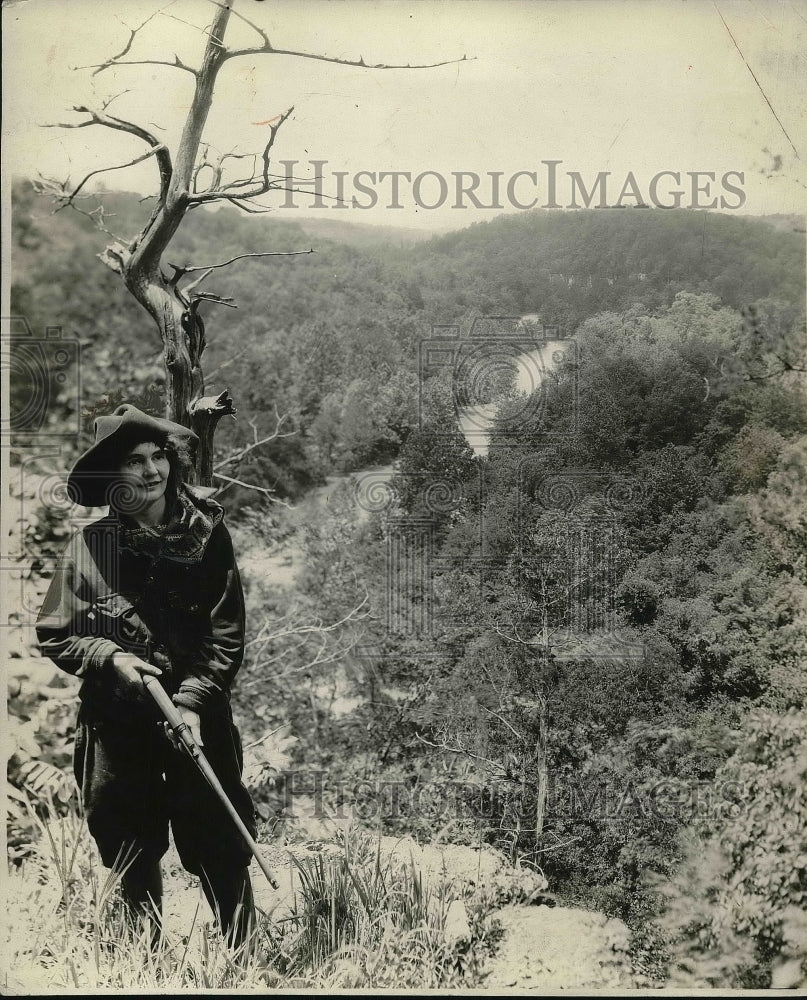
x=543, y=948
x=557, y=948
x=467, y=870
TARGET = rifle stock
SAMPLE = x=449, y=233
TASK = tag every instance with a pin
x=184, y=735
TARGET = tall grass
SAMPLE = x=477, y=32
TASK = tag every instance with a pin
x=361, y=922
x=354, y=921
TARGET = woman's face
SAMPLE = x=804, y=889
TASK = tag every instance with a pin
x=144, y=471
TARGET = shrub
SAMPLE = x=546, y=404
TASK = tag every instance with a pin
x=735, y=912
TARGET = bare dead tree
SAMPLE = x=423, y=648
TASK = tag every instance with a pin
x=188, y=178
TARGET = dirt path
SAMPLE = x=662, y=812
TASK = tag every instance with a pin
x=283, y=564
x=555, y=948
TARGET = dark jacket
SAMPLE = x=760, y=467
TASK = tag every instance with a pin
x=185, y=617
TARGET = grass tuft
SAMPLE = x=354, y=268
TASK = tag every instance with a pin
x=355, y=921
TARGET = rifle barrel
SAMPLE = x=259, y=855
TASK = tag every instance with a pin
x=183, y=733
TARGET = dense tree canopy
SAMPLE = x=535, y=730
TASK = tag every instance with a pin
x=615, y=612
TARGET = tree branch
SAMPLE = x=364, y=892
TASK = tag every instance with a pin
x=319, y=628
x=56, y=190
x=126, y=48
x=249, y=208
x=190, y=268
x=225, y=364
x=159, y=149
x=176, y=64
x=97, y=216
x=118, y=60
x=195, y=283
x=249, y=486
x=445, y=746
x=111, y=100
x=268, y=49
x=540, y=643
x=519, y=736
x=246, y=20
x=319, y=658
x=252, y=207
x=222, y=300
x=267, y=180
x=68, y=199
x=273, y=632
x=256, y=442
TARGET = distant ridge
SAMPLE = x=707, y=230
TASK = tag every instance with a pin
x=794, y=223
x=360, y=234
x=364, y=234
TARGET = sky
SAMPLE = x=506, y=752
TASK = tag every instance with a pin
x=599, y=86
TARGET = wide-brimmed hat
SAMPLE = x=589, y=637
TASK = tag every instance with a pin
x=115, y=434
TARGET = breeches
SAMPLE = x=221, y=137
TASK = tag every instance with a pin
x=134, y=783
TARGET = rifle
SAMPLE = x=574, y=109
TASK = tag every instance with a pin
x=184, y=736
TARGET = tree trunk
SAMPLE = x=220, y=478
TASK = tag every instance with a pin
x=540, y=805
x=181, y=327
x=183, y=336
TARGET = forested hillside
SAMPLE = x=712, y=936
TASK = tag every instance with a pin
x=331, y=338
x=610, y=683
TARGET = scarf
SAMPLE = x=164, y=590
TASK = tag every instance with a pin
x=183, y=537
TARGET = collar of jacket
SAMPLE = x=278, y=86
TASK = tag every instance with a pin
x=183, y=537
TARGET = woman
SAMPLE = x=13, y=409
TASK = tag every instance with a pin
x=153, y=588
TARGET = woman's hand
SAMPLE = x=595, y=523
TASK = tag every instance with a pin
x=192, y=721
x=129, y=670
